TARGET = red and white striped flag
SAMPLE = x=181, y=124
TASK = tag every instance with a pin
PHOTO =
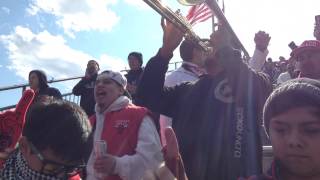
x=199, y=13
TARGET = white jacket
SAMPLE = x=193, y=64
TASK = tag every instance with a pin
x=148, y=151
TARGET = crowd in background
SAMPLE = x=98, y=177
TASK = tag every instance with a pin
x=208, y=119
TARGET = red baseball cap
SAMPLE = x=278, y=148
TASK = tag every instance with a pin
x=306, y=45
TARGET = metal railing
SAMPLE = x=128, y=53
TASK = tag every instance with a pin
x=67, y=96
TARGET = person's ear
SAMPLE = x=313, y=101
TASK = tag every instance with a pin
x=24, y=146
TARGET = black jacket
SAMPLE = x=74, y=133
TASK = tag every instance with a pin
x=50, y=91
x=133, y=78
x=85, y=89
x=216, y=119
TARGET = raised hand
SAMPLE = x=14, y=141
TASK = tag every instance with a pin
x=262, y=40
x=172, y=37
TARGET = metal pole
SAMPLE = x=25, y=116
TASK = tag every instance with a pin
x=213, y=24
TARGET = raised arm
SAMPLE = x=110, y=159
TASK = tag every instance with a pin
x=151, y=92
x=260, y=54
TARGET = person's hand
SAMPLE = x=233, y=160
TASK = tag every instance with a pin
x=262, y=40
x=172, y=37
x=5, y=154
x=105, y=164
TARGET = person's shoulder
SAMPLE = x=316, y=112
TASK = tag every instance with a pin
x=52, y=89
x=180, y=75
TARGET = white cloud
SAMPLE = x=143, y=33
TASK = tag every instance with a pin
x=81, y=15
x=137, y=3
x=5, y=9
x=28, y=51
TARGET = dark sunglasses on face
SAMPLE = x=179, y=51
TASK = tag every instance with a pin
x=55, y=168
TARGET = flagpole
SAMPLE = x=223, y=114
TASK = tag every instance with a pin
x=213, y=23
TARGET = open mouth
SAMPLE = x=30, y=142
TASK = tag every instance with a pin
x=101, y=93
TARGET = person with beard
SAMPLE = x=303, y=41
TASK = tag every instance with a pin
x=55, y=143
x=85, y=87
x=216, y=119
x=39, y=84
x=133, y=76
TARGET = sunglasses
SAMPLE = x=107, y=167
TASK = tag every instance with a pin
x=55, y=168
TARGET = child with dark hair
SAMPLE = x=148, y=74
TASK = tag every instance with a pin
x=292, y=121
x=54, y=144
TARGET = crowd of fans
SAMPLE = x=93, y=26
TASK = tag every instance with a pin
x=213, y=114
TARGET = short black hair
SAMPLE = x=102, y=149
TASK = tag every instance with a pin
x=61, y=126
x=137, y=55
x=92, y=60
x=296, y=93
x=186, y=50
x=187, y=47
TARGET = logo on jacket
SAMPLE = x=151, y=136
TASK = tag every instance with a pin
x=239, y=132
x=120, y=125
x=223, y=92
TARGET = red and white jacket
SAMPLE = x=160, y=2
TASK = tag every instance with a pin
x=130, y=135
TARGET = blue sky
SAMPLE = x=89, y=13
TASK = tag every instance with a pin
x=59, y=36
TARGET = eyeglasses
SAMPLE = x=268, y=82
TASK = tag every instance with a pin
x=55, y=168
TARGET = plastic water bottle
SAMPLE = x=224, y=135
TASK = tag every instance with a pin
x=100, y=150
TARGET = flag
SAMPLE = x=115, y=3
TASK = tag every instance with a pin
x=199, y=13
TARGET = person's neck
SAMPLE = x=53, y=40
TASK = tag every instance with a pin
x=103, y=107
